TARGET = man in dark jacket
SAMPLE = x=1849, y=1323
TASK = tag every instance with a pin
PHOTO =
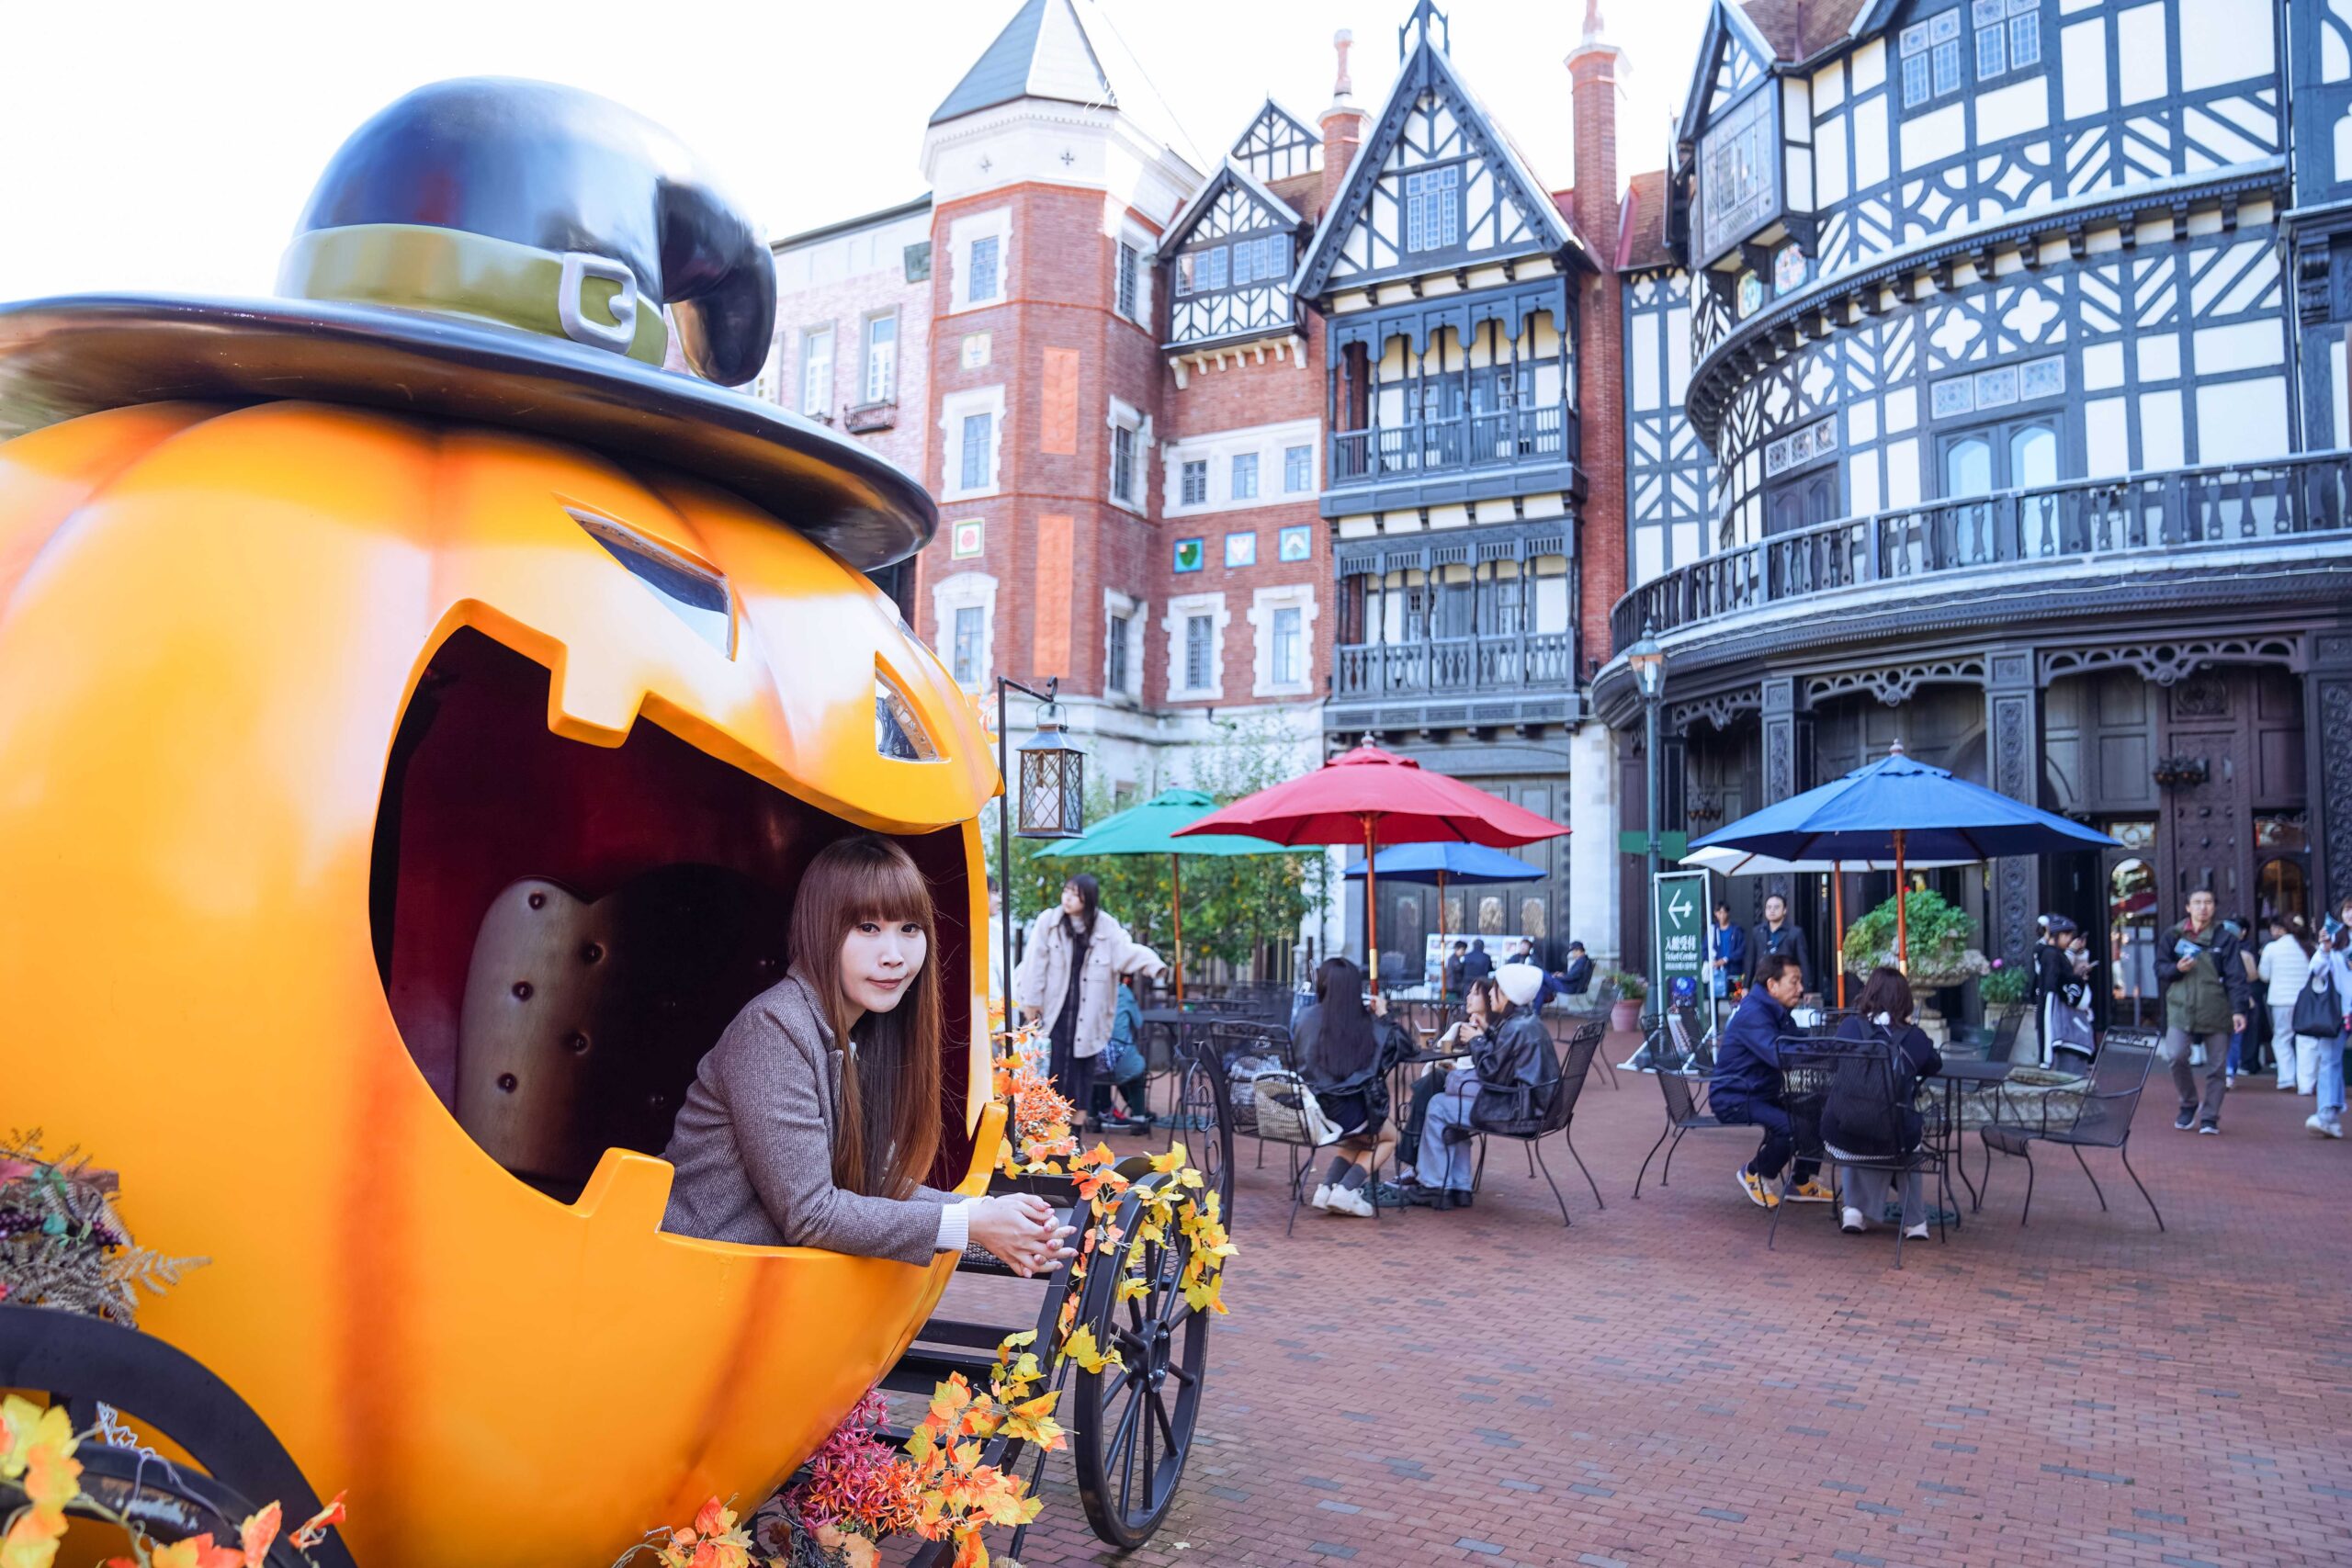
x=2202, y=981
x=1746, y=1089
x=1479, y=964
x=1452, y=973
x=1779, y=934
x=1577, y=973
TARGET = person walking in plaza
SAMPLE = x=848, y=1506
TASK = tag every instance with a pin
x=2205, y=993
x=1479, y=963
x=2322, y=1017
x=1345, y=1051
x=1513, y=1072
x=1727, y=953
x=1779, y=934
x=1449, y=973
x=1856, y=1121
x=1746, y=1088
x=1075, y=957
x=2285, y=964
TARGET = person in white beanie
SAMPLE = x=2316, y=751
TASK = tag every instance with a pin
x=1512, y=1074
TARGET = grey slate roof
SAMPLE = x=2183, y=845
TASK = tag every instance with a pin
x=1042, y=54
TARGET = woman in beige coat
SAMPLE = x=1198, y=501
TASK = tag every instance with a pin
x=1076, y=955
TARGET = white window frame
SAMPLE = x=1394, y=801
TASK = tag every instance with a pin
x=1126, y=231
x=1299, y=596
x=964, y=591
x=1307, y=447
x=1125, y=416
x=868, y=396
x=1219, y=448
x=808, y=363
x=1114, y=604
x=952, y=407
x=1180, y=609
x=996, y=224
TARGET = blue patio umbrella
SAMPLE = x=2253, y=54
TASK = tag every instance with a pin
x=1434, y=862
x=1896, y=809
x=1429, y=864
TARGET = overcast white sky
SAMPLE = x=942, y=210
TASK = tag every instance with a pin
x=171, y=146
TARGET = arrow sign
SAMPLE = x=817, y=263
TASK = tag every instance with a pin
x=1679, y=919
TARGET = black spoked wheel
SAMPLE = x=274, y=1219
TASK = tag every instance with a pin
x=1206, y=1128
x=1133, y=1423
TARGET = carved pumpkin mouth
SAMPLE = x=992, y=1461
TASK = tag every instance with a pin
x=563, y=929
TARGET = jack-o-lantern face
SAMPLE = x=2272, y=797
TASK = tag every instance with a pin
x=388, y=809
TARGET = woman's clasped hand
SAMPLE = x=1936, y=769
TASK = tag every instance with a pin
x=1021, y=1230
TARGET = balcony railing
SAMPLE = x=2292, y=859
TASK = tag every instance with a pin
x=2087, y=521
x=1466, y=443
x=1456, y=664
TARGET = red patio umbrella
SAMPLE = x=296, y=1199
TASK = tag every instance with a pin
x=1369, y=796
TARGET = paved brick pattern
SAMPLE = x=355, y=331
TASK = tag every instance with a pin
x=1653, y=1386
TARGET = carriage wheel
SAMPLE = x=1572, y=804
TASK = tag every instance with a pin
x=1206, y=1129
x=1133, y=1425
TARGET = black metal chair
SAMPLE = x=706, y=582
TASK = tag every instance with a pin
x=1682, y=1061
x=1576, y=1066
x=1864, y=1073
x=2102, y=1119
x=1567, y=1029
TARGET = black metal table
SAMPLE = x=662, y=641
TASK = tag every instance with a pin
x=1956, y=1074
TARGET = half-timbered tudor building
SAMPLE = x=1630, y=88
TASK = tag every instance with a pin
x=2008, y=423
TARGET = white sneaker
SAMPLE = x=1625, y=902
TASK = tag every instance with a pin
x=1322, y=1198
x=1914, y=1232
x=1344, y=1201
x=2333, y=1129
x=1851, y=1223
x=2317, y=1128
x=2286, y=1086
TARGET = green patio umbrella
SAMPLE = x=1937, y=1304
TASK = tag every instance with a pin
x=1149, y=829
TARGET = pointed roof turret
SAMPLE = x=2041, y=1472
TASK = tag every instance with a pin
x=1065, y=52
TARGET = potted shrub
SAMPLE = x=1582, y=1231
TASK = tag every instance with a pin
x=1939, y=935
x=1626, y=1014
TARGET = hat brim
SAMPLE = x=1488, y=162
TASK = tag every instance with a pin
x=63, y=358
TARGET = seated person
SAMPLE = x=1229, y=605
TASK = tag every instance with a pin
x=1121, y=1066
x=1859, y=1117
x=813, y=1119
x=1746, y=1089
x=1480, y=1008
x=1512, y=1069
x=1344, y=1053
x=1578, y=975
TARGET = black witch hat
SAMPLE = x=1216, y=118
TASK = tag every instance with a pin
x=498, y=252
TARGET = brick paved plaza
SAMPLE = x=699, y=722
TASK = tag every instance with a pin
x=1653, y=1386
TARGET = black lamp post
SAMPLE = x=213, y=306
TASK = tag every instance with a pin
x=1648, y=660
x=1048, y=796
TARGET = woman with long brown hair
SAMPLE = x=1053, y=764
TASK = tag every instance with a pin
x=815, y=1118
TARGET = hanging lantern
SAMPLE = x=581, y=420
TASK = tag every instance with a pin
x=1053, y=780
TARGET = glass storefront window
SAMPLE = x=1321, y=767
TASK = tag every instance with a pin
x=2132, y=937
x=2284, y=889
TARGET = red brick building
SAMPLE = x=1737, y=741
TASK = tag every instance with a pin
x=1319, y=433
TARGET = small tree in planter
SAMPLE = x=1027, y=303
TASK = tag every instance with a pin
x=1939, y=935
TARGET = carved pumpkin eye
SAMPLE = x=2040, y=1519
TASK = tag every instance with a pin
x=899, y=730
x=687, y=589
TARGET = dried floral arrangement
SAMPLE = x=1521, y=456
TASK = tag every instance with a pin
x=62, y=1243
x=858, y=1489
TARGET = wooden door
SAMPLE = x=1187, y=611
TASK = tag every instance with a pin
x=2209, y=822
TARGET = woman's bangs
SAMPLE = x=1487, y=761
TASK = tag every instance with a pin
x=886, y=890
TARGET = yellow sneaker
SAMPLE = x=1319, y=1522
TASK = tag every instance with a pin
x=1759, y=1192
x=1811, y=1192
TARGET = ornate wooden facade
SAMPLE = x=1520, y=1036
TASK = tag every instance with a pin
x=2017, y=343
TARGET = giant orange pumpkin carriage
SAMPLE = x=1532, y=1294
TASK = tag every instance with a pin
x=417, y=709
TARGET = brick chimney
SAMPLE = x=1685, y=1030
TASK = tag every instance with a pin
x=1342, y=125
x=1594, y=66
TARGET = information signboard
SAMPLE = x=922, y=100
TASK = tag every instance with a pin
x=1678, y=927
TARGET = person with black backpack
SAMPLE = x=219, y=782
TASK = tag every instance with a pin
x=1868, y=1112
x=2322, y=1008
